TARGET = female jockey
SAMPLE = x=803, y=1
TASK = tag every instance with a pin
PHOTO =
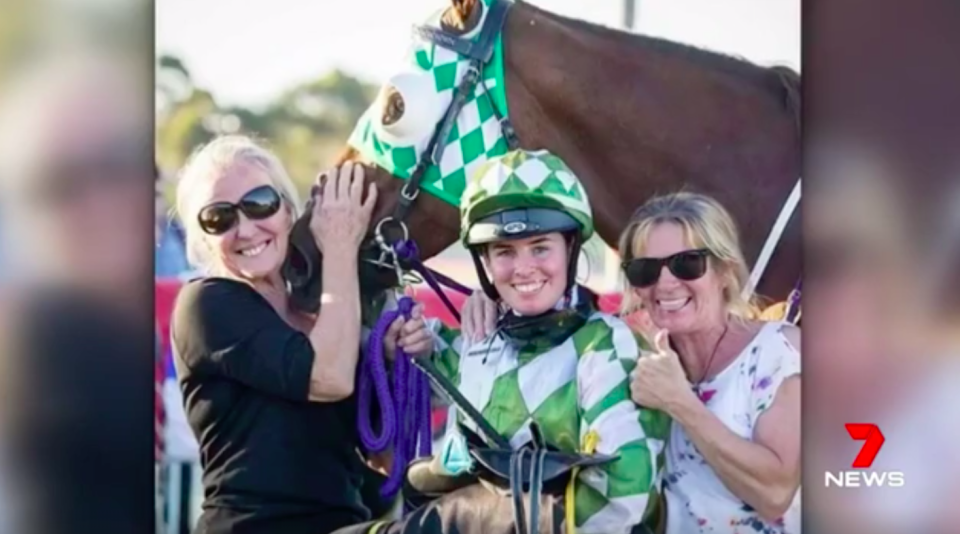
x=554, y=360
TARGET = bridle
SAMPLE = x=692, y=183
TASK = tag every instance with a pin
x=380, y=247
x=526, y=471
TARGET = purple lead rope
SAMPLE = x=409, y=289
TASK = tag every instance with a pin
x=407, y=251
x=405, y=418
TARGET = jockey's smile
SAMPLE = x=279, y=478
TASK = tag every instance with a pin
x=531, y=273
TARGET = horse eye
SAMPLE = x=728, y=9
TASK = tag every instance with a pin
x=393, y=107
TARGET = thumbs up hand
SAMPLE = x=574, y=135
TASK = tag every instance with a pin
x=659, y=381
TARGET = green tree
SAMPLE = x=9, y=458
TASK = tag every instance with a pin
x=305, y=125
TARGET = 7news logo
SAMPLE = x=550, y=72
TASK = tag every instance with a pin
x=873, y=440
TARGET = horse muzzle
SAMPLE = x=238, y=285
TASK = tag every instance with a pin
x=303, y=268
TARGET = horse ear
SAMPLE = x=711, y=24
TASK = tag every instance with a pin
x=464, y=8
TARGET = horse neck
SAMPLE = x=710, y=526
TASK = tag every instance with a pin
x=659, y=115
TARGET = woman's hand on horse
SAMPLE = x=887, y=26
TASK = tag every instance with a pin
x=659, y=381
x=340, y=214
x=413, y=336
x=478, y=316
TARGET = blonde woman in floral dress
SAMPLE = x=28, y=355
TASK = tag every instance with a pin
x=730, y=384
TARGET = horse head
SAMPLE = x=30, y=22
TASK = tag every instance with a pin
x=397, y=142
x=302, y=268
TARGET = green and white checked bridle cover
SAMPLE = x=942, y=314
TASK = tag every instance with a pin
x=475, y=137
x=525, y=179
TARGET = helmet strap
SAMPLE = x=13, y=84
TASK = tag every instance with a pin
x=550, y=328
x=488, y=289
x=575, y=247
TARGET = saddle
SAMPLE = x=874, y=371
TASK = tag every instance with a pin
x=536, y=469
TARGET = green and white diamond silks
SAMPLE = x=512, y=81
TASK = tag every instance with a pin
x=525, y=179
x=570, y=389
x=427, y=83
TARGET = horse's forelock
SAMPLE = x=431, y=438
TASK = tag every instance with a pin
x=348, y=153
x=464, y=7
x=462, y=17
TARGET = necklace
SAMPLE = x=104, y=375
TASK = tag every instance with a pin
x=706, y=369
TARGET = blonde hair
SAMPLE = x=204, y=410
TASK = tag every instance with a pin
x=706, y=224
x=210, y=162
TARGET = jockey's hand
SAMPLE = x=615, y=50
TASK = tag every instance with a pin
x=412, y=336
x=478, y=317
x=659, y=381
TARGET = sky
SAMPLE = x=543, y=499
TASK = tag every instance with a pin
x=247, y=51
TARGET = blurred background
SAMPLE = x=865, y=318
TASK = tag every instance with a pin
x=77, y=343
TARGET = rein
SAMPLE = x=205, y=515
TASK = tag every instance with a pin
x=408, y=252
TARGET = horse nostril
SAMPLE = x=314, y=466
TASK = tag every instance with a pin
x=393, y=107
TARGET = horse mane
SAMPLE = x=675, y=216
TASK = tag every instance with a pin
x=782, y=80
x=789, y=81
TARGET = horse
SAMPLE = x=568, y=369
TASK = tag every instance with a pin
x=633, y=116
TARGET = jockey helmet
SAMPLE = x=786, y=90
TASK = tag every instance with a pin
x=521, y=194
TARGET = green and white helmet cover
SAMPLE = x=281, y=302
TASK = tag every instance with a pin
x=524, y=179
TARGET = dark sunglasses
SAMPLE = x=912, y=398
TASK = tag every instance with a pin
x=258, y=204
x=687, y=265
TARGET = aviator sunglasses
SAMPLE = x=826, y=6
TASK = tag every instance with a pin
x=258, y=204
x=687, y=265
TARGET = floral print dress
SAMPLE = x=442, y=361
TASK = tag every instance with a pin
x=697, y=500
